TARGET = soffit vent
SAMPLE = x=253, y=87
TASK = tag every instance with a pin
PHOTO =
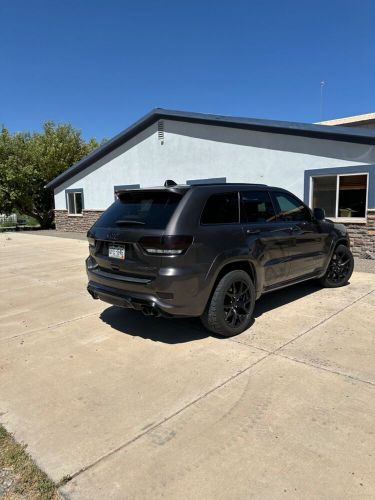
x=161, y=131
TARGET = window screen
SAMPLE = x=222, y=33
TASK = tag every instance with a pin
x=324, y=194
x=257, y=206
x=221, y=209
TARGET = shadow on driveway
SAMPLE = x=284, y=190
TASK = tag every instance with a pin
x=273, y=300
x=177, y=331
x=169, y=331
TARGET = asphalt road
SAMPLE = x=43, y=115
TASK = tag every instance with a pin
x=126, y=406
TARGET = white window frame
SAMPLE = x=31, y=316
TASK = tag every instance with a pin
x=337, y=218
x=74, y=192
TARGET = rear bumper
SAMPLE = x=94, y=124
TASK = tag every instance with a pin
x=147, y=305
x=180, y=294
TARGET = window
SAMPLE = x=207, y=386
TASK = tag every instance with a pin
x=74, y=201
x=324, y=194
x=257, y=206
x=143, y=209
x=341, y=196
x=290, y=208
x=352, y=195
x=221, y=209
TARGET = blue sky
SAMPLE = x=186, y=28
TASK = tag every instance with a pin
x=102, y=64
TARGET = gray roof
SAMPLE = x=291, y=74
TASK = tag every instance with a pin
x=344, y=134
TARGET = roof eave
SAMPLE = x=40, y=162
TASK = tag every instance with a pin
x=325, y=132
x=101, y=151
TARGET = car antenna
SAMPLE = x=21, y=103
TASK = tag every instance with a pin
x=169, y=183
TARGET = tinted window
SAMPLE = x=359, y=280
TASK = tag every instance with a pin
x=221, y=209
x=290, y=208
x=257, y=206
x=147, y=209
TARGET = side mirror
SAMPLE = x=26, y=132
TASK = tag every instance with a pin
x=319, y=213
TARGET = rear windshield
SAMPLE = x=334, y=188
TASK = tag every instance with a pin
x=143, y=209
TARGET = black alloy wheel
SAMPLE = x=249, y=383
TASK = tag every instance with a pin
x=339, y=269
x=237, y=303
x=230, y=309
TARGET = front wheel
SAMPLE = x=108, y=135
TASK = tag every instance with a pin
x=339, y=269
x=230, y=310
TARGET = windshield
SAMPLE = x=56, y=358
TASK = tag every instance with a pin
x=143, y=209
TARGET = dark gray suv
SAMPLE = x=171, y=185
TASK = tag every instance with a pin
x=211, y=251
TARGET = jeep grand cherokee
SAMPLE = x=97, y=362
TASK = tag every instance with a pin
x=211, y=250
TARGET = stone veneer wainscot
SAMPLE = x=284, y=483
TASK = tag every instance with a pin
x=362, y=236
x=79, y=223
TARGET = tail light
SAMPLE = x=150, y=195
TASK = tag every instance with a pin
x=166, y=245
x=90, y=238
x=91, y=241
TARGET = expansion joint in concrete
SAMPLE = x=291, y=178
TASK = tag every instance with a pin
x=166, y=419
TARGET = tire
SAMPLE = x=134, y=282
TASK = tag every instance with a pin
x=339, y=269
x=230, y=309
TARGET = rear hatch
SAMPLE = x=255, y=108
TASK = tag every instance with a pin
x=119, y=238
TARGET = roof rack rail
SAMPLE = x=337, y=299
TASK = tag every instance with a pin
x=228, y=184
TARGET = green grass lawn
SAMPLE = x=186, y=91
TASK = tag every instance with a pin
x=19, y=475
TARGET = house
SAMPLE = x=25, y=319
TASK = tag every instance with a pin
x=332, y=167
x=362, y=121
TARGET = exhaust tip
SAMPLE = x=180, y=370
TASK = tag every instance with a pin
x=146, y=310
x=151, y=311
x=93, y=294
x=156, y=312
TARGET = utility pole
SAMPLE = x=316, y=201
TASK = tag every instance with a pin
x=322, y=83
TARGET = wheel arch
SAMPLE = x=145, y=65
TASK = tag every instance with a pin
x=341, y=241
x=241, y=264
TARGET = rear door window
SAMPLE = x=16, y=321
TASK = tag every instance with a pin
x=221, y=209
x=257, y=207
x=146, y=209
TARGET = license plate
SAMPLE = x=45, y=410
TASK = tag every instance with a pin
x=116, y=251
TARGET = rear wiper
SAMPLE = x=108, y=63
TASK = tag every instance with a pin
x=128, y=221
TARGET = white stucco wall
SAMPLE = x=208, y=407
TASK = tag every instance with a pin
x=193, y=151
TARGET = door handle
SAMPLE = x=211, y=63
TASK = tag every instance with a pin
x=252, y=231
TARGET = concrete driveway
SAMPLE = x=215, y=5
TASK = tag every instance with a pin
x=126, y=406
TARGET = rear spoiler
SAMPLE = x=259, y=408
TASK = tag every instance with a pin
x=174, y=189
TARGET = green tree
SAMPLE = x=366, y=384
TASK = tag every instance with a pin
x=29, y=161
